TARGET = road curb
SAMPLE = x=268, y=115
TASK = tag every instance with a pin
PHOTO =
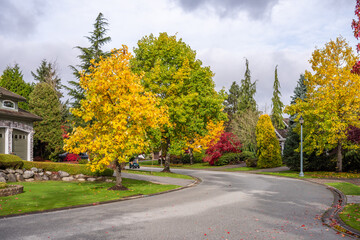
x=194, y=183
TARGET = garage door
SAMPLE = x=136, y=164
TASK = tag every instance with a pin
x=2, y=140
x=19, y=143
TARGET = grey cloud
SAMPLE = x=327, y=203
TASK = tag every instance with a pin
x=20, y=18
x=230, y=8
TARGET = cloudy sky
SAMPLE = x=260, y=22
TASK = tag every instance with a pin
x=223, y=33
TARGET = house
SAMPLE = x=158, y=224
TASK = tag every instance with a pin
x=282, y=133
x=16, y=126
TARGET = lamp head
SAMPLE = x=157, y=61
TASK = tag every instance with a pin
x=301, y=120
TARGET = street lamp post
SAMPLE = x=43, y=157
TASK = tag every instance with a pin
x=301, y=121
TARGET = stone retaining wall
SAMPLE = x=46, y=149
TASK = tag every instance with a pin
x=37, y=174
x=11, y=190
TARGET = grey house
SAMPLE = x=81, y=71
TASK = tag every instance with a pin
x=16, y=126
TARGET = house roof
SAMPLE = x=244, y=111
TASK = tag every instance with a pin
x=20, y=114
x=4, y=93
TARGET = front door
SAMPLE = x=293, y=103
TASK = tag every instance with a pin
x=19, y=143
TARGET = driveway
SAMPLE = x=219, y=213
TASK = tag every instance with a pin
x=224, y=206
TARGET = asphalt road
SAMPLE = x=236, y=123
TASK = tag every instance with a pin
x=223, y=206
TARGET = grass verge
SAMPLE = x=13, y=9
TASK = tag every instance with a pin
x=351, y=215
x=202, y=165
x=240, y=169
x=39, y=196
x=159, y=174
x=346, y=188
x=329, y=175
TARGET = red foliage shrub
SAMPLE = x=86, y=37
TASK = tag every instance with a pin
x=354, y=134
x=71, y=157
x=228, y=142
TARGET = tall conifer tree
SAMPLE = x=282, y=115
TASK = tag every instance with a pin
x=47, y=73
x=247, y=91
x=277, y=105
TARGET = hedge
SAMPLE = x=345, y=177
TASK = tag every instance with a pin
x=72, y=169
x=10, y=161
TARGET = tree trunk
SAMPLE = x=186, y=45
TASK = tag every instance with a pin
x=167, y=158
x=118, y=185
x=339, y=158
x=191, y=154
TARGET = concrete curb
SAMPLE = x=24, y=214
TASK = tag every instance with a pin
x=194, y=183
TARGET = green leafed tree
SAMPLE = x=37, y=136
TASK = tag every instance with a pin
x=97, y=40
x=247, y=91
x=232, y=100
x=12, y=80
x=277, y=105
x=45, y=103
x=185, y=87
x=268, y=147
x=46, y=73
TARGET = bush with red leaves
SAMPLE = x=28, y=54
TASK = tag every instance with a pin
x=354, y=134
x=71, y=157
x=228, y=142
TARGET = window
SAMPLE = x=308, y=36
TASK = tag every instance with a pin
x=0, y=135
x=8, y=104
x=24, y=137
x=15, y=136
x=20, y=136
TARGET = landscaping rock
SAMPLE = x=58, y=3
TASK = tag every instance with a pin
x=41, y=173
x=48, y=173
x=37, y=177
x=81, y=179
x=45, y=178
x=109, y=180
x=68, y=179
x=63, y=174
x=100, y=178
x=34, y=169
x=2, y=179
x=91, y=179
x=20, y=178
x=80, y=176
x=11, y=177
x=10, y=170
x=3, y=175
x=19, y=171
x=55, y=177
x=29, y=180
x=28, y=174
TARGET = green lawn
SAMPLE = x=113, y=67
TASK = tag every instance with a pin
x=351, y=215
x=346, y=188
x=240, y=169
x=160, y=174
x=40, y=196
x=294, y=174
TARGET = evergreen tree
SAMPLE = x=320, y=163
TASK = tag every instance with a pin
x=12, y=80
x=247, y=91
x=47, y=73
x=45, y=103
x=97, y=40
x=277, y=105
x=268, y=147
x=232, y=101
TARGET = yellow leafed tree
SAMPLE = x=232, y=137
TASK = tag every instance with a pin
x=118, y=112
x=332, y=102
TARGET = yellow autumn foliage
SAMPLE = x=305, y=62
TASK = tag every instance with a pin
x=117, y=111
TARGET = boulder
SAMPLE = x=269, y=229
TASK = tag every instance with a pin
x=19, y=171
x=45, y=178
x=28, y=174
x=55, y=177
x=2, y=179
x=10, y=170
x=68, y=179
x=11, y=177
x=80, y=176
x=109, y=180
x=3, y=175
x=41, y=173
x=91, y=179
x=34, y=169
x=37, y=177
x=63, y=174
x=19, y=178
x=81, y=179
x=100, y=178
x=48, y=173
x=29, y=180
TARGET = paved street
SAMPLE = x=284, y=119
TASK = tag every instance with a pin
x=224, y=206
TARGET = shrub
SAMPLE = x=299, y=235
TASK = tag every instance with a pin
x=245, y=155
x=228, y=142
x=10, y=161
x=83, y=161
x=69, y=168
x=228, y=158
x=72, y=157
x=251, y=162
x=268, y=147
x=198, y=157
x=2, y=185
